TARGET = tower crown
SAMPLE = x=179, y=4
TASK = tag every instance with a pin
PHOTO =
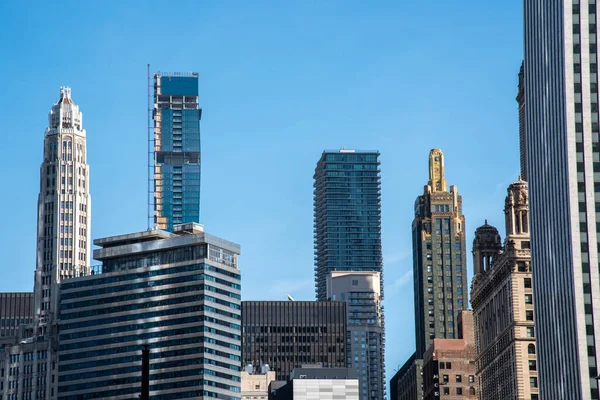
x=65, y=115
x=437, y=181
x=516, y=208
x=486, y=246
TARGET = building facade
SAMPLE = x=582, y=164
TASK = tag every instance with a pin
x=502, y=299
x=563, y=150
x=366, y=326
x=347, y=221
x=63, y=252
x=287, y=334
x=522, y=128
x=177, y=292
x=256, y=381
x=174, y=154
x=407, y=383
x=64, y=209
x=319, y=383
x=16, y=309
x=439, y=258
x=347, y=228
x=449, y=366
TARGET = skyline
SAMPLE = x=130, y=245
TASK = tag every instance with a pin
x=271, y=138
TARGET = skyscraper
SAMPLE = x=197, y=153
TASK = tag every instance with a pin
x=563, y=165
x=348, y=260
x=522, y=130
x=63, y=243
x=287, y=334
x=174, y=151
x=347, y=223
x=439, y=262
x=502, y=299
x=64, y=208
x=177, y=292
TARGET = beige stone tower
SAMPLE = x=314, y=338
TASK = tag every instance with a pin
x=502, y=300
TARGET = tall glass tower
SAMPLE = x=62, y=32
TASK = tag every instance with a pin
x=347, y=223
x=174, y=153
x=563, y=168
x=348, y=261
x=439, y=258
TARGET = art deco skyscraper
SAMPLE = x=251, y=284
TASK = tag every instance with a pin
x=439, y=262
x=563, y=163
x=64, y=209
x=174, y=154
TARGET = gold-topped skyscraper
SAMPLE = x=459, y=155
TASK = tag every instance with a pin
x=439, y=262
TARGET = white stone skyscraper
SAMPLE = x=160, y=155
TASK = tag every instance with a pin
x=64, y=208
x=563, y=168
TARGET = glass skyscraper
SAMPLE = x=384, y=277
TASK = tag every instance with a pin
x=348, y=260
x=347, y=222
x=563, y=172
x=177, y=292
x=174, y=154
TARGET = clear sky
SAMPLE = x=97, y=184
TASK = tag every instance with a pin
x=280, y=82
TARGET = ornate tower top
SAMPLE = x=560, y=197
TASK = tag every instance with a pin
x=65, y=116
x=486, y=246
x=516, y=209
x=437, y=182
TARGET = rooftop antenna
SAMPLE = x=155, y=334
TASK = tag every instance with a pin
x=290, y=298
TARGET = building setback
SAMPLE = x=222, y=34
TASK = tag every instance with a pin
x=439, y=262
x=563, y=153
x=16, y=309
x=174, y=158
x=288, y=334
x=347, y=227
x=177, y=292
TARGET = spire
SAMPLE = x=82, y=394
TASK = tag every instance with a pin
x=436, y=171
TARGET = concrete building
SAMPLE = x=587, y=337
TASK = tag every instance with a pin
x=63, y=252
x=407, y=383
x=16, y=309
x=366, y=327
x=502, y=299
x=287, y=334
x=563, y=172
x=449, y=366
x=439, y=258
x=177, y=292
x=347, y=219
x=174, y=151
x=256, y=381
x=522, y=127
x=308, y=383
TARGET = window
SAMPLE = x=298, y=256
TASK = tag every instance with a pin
x=354, y=282
x=530, y=332
x=458, y=378
x=533, y=382
x=528, y=299
x=472, y=391
x=445, y=378
x=471, y=378
x=531, y=349
x=448, y=365
x=446, y=390
x=442, y=365
x=529, y=315
x=532, y=365
x=527, y=283
x=459, y=391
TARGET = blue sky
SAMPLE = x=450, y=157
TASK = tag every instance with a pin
x=279, y=82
